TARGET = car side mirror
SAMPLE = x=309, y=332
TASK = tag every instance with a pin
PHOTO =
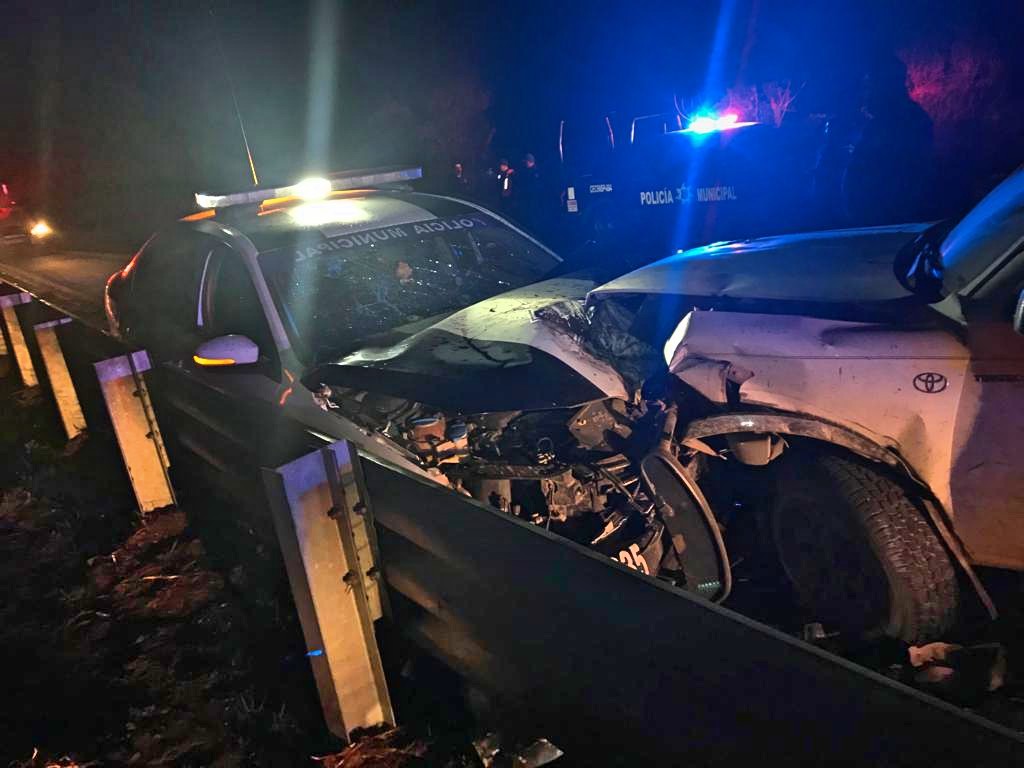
x=229, y=350
x=1018, y=314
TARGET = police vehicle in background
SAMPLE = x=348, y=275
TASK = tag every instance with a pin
x=667, y=182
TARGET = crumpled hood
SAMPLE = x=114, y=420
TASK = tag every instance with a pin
x=496, y=355
x=851, y=266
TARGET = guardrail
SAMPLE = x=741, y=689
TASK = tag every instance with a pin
x=604, y=660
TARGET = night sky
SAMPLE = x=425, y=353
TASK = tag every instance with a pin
x=118, y=110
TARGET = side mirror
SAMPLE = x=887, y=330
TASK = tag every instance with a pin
x=1018, y=314
x=232, y=349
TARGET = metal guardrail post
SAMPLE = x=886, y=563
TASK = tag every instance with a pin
x=138, y=435
x=16, y=337
x=60, y=378
x=322, y=530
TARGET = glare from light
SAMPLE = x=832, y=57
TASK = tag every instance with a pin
x=40, y=230
x=319, y=213
x=313, y=188
x=702, y=124
x=711, y=123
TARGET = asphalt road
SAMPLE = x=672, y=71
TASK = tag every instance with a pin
x=70, y=281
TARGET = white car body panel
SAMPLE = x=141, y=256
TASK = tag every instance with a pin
x=858, y=375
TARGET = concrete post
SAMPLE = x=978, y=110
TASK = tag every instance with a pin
x=127, y=399
x=17, y=339
x=316, y=510
x=60, y=379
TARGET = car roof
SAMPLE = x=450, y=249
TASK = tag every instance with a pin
x=282, y=222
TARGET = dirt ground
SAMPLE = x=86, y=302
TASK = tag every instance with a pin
x=126, y=642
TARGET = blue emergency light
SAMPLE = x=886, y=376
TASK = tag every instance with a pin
x=712, y=123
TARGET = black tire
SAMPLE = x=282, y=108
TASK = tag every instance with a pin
x=858, y=551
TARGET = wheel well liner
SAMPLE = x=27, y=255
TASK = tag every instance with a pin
x=798, y=426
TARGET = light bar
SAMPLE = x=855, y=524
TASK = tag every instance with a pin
x=313, y=188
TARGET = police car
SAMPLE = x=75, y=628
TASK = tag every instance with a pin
x=260, y=287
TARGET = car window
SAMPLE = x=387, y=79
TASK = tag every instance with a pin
x=338, y=292
x=165, y=290
x=231, y=304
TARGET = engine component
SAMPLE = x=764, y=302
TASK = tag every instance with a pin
x=426, y=432
x=436, y=442
x=755, y=450
x=566, y=496
x=495, y=491
x=601, y=426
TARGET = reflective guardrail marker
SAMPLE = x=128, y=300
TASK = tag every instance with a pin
x=60, y=379
x=138, y=435
x=17, y=337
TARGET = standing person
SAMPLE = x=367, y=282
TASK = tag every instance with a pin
x=506, y=186
x=889, y=173
x=529, y=192
x=458, y=181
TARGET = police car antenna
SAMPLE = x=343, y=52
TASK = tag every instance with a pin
x=234, y=98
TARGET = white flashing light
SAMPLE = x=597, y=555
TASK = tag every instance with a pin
x=318, y=213
x=313, y=188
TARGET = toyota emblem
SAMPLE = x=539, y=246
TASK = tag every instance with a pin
x=930, y=382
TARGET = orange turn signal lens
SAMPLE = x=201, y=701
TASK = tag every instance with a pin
x=212, y=361
x=208, y=214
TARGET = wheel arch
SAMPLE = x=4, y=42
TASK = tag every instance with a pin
x=797, y=425
x=810, y=427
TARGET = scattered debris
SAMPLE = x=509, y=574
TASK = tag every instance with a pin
x=531, y=755
x=961, y=674
x=390, y=748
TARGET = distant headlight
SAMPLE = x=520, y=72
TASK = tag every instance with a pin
x=40, y=230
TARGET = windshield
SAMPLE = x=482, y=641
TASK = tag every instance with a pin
x=335, y=294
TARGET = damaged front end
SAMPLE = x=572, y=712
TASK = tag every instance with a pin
x=605, y=472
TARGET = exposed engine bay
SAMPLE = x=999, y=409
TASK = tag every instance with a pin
x=607, y=475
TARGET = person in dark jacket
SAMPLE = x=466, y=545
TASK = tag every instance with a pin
x=891, y=163
x=458, y=181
